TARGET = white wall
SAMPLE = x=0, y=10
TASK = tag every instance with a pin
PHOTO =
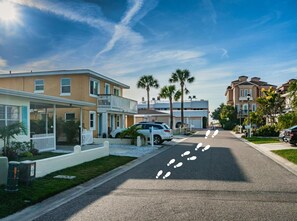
x=49, y=165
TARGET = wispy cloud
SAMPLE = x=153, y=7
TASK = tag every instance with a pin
x=3, y=62
x=122, y=29
x=87, y=13
x=224, y=53
x=212, y=12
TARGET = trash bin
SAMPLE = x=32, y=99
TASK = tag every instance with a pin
x=27, y=171
x=3, y=170
x=13, y=177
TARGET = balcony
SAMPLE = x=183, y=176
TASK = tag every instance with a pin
x=109, y=102
x=245, y=98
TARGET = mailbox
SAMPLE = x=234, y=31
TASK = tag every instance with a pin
x=27, y=171
x=13, y=177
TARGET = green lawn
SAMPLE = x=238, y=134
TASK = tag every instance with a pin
x=47, y=186
x=40, y=156
x=290, y=154
x=262, y=140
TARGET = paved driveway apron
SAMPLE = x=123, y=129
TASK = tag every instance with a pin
x=229, y=181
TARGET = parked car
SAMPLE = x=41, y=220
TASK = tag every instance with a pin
x=284, y=135
x=161, y=130
x=293, y=135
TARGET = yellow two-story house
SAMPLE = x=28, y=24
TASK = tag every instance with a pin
x=111, y=110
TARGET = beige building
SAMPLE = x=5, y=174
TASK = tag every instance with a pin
x=237, y=94
x=283, y=90
x=111, y=108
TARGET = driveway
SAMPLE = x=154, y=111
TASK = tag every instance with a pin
x=229, y=181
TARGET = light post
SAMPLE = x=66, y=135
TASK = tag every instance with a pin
x=249, y=124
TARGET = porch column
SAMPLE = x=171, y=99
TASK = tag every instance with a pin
x=104, y=123
x=46, y=121
x=80, y=125
x=123, y=121
x=54, y=127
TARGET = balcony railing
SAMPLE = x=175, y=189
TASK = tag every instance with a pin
x=116, y=103
x=245, y=98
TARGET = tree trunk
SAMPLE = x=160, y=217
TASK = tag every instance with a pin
x=182, y=105
x=171, y=113
x=148, y=98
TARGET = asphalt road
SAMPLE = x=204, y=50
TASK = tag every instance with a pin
x=229, y=181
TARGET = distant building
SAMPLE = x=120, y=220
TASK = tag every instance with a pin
x=195, y=112
x=283, y=90
x=238, y=91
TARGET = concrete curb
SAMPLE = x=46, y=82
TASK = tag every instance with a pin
x=278, y=159
x=39, y=209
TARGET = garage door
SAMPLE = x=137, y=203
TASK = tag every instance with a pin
x=197, y=123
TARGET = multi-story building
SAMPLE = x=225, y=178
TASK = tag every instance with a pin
x=283, y=90
x=112, y=109
x=237, y=94
x=195, y=112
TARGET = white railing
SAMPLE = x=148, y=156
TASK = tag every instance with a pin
x=87, y=137
x=44, y=142
x=113, y=102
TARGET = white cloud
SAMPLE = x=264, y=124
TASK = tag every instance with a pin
x=3, y=62
x=212, y=12
x=224, y=53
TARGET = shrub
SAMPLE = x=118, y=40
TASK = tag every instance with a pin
x=131, y=132
x=26, y=154
x=71, y=129
x=267, y=130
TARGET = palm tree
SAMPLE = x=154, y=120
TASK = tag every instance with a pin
x=146, y=82
x=171, y=93
x=293, y=92
x=183, y=77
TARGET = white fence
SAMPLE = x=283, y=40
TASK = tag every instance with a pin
x=49, y=165
x=44, y=142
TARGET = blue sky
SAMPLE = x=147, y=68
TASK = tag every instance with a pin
x=125, y=39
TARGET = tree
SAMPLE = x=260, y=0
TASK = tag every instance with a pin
x=293, y=92
x=228, y=116
x=271, y=103
x=255, y=118
x=146, y=82
x=9, y=132
x=171, y=93
x=216, y=113
x=183, y=77
x=287, y=120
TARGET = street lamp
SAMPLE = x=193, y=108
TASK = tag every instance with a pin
x=249, y=124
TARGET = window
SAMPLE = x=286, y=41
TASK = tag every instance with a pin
x=9, y=115
x=94, y=87
x=246, y=91
x=116, y=91
x=69, y=116
x=107, y=88
x=65, y=86
x=92, y=120
x=251, y=92
x=254, y=107
x=241, y=93
x=38, y=86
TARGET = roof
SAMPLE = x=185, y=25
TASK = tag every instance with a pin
x=177, y=104
x=150, y=112
x=46, y=99
x=65, y=72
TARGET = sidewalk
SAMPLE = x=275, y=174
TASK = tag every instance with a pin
x=266, y=149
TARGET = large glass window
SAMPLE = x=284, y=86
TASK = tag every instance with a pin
x=38, y=86
x=65, y=86
x=94, y=87
x=116, y=91
x=9, y=115
x=107, y=88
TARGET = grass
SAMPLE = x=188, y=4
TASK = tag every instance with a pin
x=262, y=140
x=40, y=156
x=47, y=186
x=290, y=154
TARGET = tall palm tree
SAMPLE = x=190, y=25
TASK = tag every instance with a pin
x=146, y=82
x=171, y=93
x=293, y=92
x=182, y=77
